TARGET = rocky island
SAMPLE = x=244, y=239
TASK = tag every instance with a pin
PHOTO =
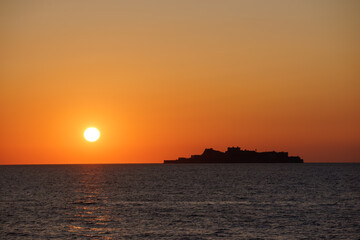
x=236, y=155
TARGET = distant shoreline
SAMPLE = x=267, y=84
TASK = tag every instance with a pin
x=237, y=155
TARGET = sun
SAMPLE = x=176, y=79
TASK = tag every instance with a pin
x=91, y=134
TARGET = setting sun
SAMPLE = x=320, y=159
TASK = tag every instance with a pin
x=91, y=134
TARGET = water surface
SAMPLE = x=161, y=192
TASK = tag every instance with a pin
x=209, y=201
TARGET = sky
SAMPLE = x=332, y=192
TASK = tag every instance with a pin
x=166, y=79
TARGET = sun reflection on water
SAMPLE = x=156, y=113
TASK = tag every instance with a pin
x=90, y=213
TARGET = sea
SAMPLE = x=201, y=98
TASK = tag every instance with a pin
x=189, y=201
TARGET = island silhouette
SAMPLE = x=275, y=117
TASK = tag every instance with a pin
x=237, y=155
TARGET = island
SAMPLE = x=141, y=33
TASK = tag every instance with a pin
x=237, y=155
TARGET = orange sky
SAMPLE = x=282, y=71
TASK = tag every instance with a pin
x=163, y=79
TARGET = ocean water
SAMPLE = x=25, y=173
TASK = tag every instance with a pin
x=209, y=201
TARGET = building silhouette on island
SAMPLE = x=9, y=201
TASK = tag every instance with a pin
x=236, y=155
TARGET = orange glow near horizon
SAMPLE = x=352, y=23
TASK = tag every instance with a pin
x=169, y=79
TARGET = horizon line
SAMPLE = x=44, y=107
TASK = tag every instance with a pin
x=52, y=164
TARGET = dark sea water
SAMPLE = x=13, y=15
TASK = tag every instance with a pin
x=210, y=201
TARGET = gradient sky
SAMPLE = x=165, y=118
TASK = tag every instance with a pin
x=164, y=79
